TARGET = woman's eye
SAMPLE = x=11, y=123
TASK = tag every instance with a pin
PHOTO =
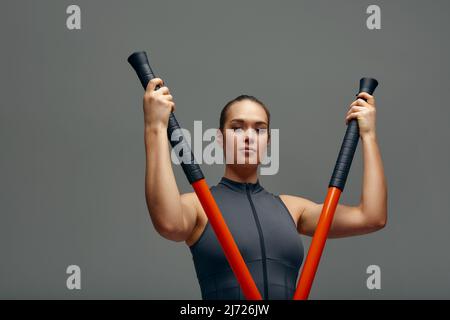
x=258, y=130
x=261, y=130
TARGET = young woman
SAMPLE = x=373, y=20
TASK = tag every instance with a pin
x=265, y=226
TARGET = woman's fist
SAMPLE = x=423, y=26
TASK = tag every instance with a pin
x=364, y=111
x=158, y=104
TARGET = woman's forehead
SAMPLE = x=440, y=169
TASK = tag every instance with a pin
x=247, y=111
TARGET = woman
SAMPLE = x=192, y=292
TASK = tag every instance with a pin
x=265, y=226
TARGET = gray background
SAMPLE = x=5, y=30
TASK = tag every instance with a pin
x=71, y=134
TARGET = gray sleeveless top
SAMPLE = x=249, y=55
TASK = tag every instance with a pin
x=266, y=236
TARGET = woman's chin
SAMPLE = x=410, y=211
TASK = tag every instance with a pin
x=247, y=160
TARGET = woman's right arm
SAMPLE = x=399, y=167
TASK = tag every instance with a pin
x=174, y=216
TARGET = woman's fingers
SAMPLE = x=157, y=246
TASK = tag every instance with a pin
x=153, y=83
x=163, y=90
x=360, y=102
x=351, y=116
x=353, y=112
x=356, y=108
x=370, y=99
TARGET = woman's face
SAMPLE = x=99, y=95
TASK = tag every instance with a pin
x=245, y=133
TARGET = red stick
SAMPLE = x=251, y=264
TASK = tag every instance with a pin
x=317, y=244
x=335, y=188
x=226, y=240
x=140, y=64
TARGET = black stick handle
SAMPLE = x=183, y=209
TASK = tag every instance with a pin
x=140, y=64
x=351, y=138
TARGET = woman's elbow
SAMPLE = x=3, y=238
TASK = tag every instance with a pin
x=378, y=224
x=381, y=224
x=172, y=233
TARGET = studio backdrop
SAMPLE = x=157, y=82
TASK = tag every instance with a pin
x=72, y=161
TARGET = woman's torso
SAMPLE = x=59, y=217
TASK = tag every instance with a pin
x=266, y=235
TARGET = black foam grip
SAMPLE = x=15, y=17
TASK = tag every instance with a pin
x=140, y=64
x=350, y=142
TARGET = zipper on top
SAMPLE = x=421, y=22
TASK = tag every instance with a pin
x=261, y=241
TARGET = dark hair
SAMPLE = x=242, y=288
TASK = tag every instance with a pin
x=223, y=113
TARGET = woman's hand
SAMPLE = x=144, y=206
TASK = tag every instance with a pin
x=364, y=112
x=157, y=105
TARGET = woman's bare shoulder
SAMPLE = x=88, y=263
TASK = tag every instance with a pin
x=295, y=204
x=291, y=199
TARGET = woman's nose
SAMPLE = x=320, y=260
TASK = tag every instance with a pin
x=250, y=135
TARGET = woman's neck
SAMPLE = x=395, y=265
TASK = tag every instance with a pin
x=241, y=173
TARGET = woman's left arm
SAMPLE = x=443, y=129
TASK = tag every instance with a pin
x=371, y=214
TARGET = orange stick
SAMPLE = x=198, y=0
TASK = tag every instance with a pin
x=226, y=240
x=335, y=188
x=140, y=64
x=317, y=244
